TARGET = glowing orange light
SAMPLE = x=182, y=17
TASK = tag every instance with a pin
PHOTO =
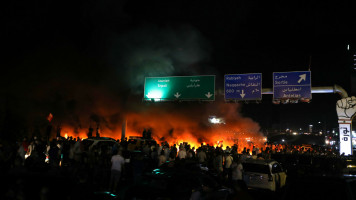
x=178, y=127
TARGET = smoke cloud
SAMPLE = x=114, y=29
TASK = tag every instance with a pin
x=83, y=91
x=150, y=51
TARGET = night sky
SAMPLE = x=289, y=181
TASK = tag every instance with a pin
x=77, y=58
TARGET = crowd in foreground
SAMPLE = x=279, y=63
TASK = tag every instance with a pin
x=111, y=167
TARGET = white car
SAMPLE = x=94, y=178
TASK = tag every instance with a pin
x=264, y=174
x=92, y=142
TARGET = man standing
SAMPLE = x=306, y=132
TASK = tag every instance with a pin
x=117, y=164
x=201, y=156
x=182, y=154
x=228, y=163
x=237, y=178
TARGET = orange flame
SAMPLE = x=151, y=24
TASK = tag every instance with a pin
x=189, y=125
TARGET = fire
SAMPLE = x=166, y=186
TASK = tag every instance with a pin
x=190, y=125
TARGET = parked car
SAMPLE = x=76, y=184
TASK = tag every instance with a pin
x=264, y=174
x=101, y=143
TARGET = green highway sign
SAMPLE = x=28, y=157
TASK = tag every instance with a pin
x=183, y=88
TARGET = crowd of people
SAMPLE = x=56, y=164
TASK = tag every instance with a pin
x=108, y=167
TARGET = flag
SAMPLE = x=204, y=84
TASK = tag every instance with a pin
x=50, y=117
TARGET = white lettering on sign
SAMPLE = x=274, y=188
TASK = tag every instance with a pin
x=230, y=91
x=162, y=81
x=194, y=80
x=255, y=90
x=253, y=85
x=233, y=78
x=291, y=95
x=253, y=78
x=280, y=77
x=292, y=89
x=345, y=139
x=161, y=86
x=235, y=84
x=280, y=82
x=193, y=85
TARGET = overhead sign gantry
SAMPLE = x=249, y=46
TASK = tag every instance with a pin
x=286, y=85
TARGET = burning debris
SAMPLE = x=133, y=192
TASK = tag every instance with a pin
x=190, y=125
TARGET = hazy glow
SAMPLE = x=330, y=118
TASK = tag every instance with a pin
x=155, y=94
x=182, y=125
x=214, y=120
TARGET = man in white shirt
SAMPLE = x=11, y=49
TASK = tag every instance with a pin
x=117, y=164
x=161, y=159
x=228, y=161
x=182, y=154
x=237, y=169
x=237, y=178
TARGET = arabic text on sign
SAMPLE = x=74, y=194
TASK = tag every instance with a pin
x=280, y=77
x=254, y=78
x=253, y=84
x=293, y=89
x=193, y=85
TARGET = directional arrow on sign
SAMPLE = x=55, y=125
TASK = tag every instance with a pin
x=302, y=77
x=177, y=95
x=242, y=94
x=208, y=95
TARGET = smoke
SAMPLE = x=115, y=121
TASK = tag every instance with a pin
x=81, y=91
x=150, y=51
